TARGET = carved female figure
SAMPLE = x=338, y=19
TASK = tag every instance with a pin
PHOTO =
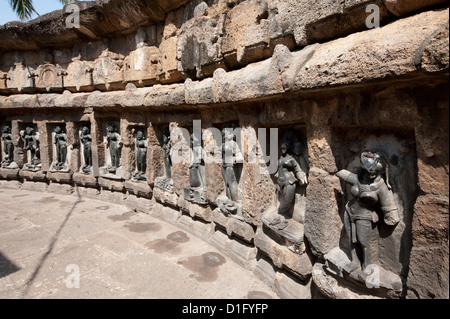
x=31, y=143
x=113, y=141
x=290, y=174
x=7, y=146
x=141, y=155
x=60, y=141
x=86, y=140
x=370, y=189
x=230, y=155
x=167, y=147
x=195, y=177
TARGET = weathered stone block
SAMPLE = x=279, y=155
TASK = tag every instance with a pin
x=139, y=188
x=141, y=65
x=85, y=180
x=233, y=226
x=322, y=220
x=139, y=204
x=404, y=7
x=38, y=176
x=110, y=184
x=299, y=265
x=9, y=174
x=34, y=186
x=195, y=210
x=65, y=178
x=62, y=189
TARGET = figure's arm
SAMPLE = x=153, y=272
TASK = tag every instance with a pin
x=299, y=173
x=347, y=176
x=388, y=206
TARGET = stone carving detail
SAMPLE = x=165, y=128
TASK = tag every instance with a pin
x=166, y=182
x=8, y=149
x=32, y=146
x=113, y=142
x=370, y=203
x=141, y=156
x=285, y=220
x=86, y=141
x=60, y=163
x=197, y=190
x=369, y=189
x=232, y=160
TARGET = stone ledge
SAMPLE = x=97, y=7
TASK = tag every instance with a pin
x=388, y=53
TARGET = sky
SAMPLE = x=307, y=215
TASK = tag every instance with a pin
x=41, y=6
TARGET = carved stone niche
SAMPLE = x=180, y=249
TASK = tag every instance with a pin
x=138, y=184
x=49, y=77
x=162, y=154
x=8, y=167
x=60, y=169
x=85, y=175
x=281, y=235
x=111, y=175
x=30, y=137
x=194, y=199
x=379, y=183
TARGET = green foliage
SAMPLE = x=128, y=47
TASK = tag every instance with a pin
x=24, y=8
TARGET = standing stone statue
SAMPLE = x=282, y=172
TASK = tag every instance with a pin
x=196, y=191
x=231, y=159
x=31, y=145
x=8, y=147
x=141, y=156
x=370, y=190
x=167, y=147
x=113, y=142
x=86, y=140
x=290, y=175
x=60, y=141
x=286, y=219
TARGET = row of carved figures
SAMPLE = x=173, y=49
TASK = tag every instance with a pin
x=370, y=188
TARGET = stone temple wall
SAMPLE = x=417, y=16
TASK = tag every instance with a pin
x=332, y=87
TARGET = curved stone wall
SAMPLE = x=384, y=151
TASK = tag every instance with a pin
x=303, y=103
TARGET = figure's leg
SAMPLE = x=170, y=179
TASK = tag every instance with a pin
x=355, y=264
x=287, y=199
x=63, y=152
x=364, y=229
x=232, y=188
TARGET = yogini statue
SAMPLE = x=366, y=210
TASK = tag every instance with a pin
x=195, y=176
x=141, y=156
x=370, y=190
x=167, y=147
x=113, y=142
x=60, y=141
x=86, y=140
x=7, y=147
x=31, y=144
x=231, y=159
x=290, y=175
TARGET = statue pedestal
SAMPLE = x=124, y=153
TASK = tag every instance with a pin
x=85, y=180
x=111, y=181
x=163, y=192
x=195, y=195
x=195, y=210
x=9, y=173
x=285, y=231
x=139, y=188
x=297, y=263
x=60, y=177
x=33, y=175
x=376, y=280
x=233, y=226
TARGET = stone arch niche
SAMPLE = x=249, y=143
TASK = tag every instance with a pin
x=376, y=260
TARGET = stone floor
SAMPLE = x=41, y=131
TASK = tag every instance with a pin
x=63, y=246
